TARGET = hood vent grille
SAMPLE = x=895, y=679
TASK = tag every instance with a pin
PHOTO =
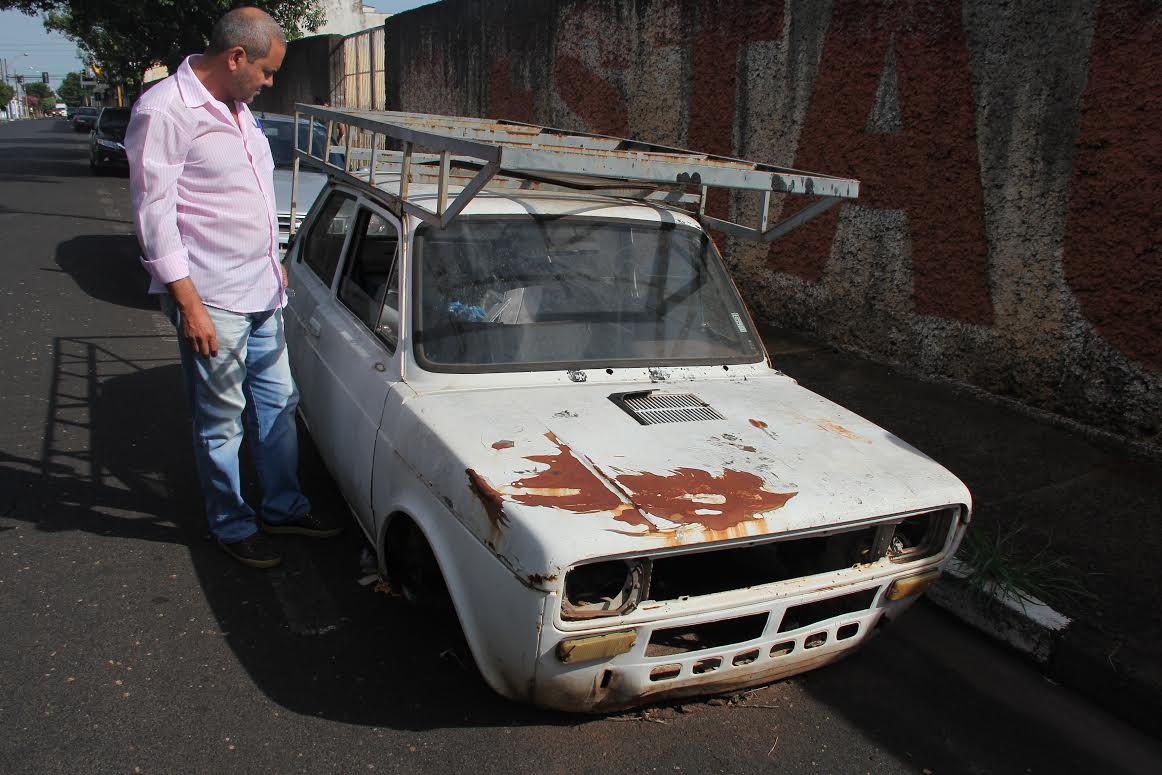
x=653, y=407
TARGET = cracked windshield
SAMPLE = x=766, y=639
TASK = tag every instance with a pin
x=508, y=294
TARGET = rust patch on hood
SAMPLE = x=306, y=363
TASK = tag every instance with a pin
x=503, y=444
x=839, y=430
x=568, y=483
x=685, y=496
x=691, y=495
x=758, y=423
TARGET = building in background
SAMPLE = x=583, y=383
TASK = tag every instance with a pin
x=347, y=16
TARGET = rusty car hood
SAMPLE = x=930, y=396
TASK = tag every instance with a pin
x=551, y=475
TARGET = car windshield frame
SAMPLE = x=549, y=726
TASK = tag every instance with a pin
x=711, y=261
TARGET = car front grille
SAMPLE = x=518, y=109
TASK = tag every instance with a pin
x=690, y=575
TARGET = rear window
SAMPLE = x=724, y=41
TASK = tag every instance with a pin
x=113, y=119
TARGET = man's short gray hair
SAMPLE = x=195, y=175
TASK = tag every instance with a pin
x=248, y=27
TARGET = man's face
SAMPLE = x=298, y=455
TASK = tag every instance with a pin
x=250, y=75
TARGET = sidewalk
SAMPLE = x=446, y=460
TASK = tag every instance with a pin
x=1096, y=503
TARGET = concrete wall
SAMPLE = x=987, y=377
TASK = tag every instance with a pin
x=305, y=75
x=1008, y=229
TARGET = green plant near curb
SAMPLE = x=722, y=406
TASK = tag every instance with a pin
x=1001, y=564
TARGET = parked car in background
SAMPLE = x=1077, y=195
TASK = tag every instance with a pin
x=556, y=409
x=279, y=130
x=107, y=140
x=83, y=118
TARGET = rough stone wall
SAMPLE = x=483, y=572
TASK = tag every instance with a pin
x=1008, y=229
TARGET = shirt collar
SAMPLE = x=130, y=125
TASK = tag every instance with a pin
x=194, y=93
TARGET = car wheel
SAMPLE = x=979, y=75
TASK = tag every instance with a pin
x=412, y=566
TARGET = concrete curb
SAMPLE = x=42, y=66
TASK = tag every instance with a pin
x=1106, y=670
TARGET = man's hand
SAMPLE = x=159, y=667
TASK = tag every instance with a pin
x=285, y=279
x=197, y=327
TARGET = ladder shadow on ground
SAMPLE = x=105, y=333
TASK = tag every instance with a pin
x=117, y=462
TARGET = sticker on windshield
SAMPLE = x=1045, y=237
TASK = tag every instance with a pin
x=738, y=322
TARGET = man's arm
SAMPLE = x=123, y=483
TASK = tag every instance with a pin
x=157, y=149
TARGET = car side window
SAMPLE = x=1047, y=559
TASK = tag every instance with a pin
x=324, y=243
x=370, y=284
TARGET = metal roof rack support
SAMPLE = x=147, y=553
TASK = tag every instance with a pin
x=475, y=153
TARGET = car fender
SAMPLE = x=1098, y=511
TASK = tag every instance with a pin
x=500, y=616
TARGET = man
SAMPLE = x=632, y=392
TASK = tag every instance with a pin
x=203, y=200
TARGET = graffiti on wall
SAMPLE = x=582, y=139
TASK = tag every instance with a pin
x=1113, y=244
x=892, y=101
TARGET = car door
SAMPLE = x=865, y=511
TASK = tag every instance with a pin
x=358, y=356
x=312, y=271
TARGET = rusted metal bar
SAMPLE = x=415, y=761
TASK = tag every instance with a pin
x=442, y=196
x=371, y=169
x=469, y=191
x=405, y=170
x=799, y=218
x=294, y=179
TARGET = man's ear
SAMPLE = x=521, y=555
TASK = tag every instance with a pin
x=235, y=57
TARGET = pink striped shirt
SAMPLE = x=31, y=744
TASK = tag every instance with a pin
x=203, y=196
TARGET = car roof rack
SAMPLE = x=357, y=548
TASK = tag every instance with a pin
x=380, y=148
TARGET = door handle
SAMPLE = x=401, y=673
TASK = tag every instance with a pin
x=314, y=326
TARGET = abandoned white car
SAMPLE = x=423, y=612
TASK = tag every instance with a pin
x=555, y=403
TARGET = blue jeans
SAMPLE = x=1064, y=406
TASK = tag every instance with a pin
x=248, y=383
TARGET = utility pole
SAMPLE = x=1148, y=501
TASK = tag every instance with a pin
x=4, y=77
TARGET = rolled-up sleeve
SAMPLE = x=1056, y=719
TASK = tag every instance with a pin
x=157, y=150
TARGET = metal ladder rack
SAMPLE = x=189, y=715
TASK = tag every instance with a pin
x=475, y=153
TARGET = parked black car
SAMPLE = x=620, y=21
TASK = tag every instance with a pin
x=107, y=141
x=83, y=118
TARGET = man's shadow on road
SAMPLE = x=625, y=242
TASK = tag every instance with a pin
x=107, y=268
x=117, y=462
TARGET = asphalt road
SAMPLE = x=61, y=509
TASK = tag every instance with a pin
x=131, y=644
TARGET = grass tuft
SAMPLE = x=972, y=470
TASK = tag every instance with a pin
x=1003, y=561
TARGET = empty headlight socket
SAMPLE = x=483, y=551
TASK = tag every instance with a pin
x=605, y=588
x=918, y=536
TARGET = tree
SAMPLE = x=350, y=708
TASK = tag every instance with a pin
x=6, y=95
x=71, y=92
x=41, y=91
x=45, y=97
x=129, y=36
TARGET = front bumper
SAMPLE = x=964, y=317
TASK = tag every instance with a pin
x=111, y=157
x=636, y=678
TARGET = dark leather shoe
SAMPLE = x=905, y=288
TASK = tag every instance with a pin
x=307, y=525
x=254, y=550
